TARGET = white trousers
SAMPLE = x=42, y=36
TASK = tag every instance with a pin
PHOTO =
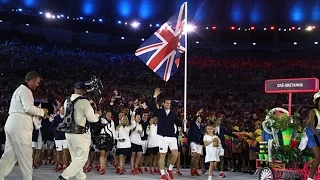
x=78, y=145
x=17, y=148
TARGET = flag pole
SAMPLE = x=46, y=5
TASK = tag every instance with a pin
x=185, y=69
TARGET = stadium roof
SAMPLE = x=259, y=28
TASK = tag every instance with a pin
x=223, y=13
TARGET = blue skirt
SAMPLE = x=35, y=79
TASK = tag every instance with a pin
x=313, y=139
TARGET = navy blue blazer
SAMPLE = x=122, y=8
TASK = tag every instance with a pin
x=165, y=122
x=224, y=131
x=195, y=133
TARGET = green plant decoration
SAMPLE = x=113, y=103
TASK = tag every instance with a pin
x=284, y=121
x=287, y=155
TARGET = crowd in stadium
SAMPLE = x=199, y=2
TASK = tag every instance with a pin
x=228, y=87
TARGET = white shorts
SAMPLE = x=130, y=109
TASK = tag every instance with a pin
x=221, y=151
x=61, y=144
x=49, y=145
x=196, y=148
x=144, y=146
x=39, y=143
x=166, y=142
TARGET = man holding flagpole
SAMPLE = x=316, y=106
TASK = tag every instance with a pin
x=161, y=53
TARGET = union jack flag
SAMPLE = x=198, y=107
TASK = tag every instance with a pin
x=162, y=51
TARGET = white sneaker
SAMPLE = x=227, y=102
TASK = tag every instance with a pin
x=210, y=178
x=309, y=179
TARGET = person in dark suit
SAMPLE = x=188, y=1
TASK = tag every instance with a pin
x=167, y=133
x=195, y=138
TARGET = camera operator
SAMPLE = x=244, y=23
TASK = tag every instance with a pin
x=79, y=142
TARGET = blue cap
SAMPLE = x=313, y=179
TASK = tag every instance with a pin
x=81, y=85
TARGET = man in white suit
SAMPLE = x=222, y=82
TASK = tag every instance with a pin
x=19, y=126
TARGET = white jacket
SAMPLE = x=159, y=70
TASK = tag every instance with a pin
x=153, y=137
x=135, y=137
x=123, y=133
x=109, y=128
x=21, y=111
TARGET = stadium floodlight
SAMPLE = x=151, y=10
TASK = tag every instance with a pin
x=235, y=43
x=142, y=39
x=254, y=43
x=197, y=42
x=295, y=43
x=58, y=17
x=135, y=24
x=157, y=25
x=20, y=9
x=53, y=16
x=190, y=28
x=316, y=42
x=100, y=20
x=81, y=18
x=119, y=22
x=48, y=15
x=150, y=25
x=122, y=37
x=40, y=12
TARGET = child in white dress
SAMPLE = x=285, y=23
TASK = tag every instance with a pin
x=212, y=144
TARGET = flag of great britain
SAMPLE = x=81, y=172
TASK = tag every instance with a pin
x=162, y=51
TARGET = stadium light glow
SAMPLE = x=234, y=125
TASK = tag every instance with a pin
x=62, y=15
x=272, y=27
x=122, y=37
x=157, y=25
x=207, y=27
x=316, y=42
x=53, y=16
x=87, y=32
x=100, y=20
x=232, y=28
x=20, y=9
x=93, y=20
x=295, y=43
x=239, y=29
x=150, y=25
x=142, y=39
x=81, y=18
x=48, y=15
x=40, y=12
x=190, y=28
x=119, y=22
x=135, y=24
x=235, y=43
x=27, y=24
x=0, y=21
x=265, y=29
x=252, y=28
x=197, y=42
x=254, y=43
x=58, y=16
x=214, y=27
x=310, y=28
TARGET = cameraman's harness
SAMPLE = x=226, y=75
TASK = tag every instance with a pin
x=69, y=123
